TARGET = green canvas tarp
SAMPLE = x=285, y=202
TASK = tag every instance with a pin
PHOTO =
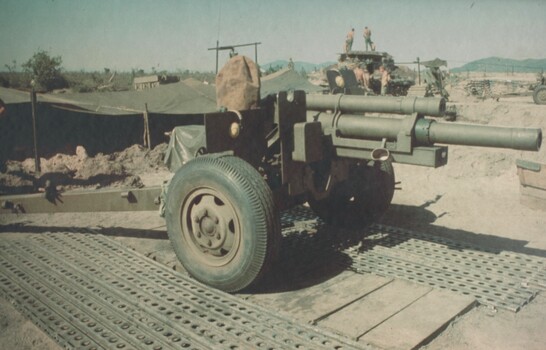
x=110, y=121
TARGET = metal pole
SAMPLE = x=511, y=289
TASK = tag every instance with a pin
x=419, y=70
x=232, y=47
x=217, y=50
x=37, y=169
x=256, y=53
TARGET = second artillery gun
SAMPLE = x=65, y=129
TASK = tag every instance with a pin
x=222, y=207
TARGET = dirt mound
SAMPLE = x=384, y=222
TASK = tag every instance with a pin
x=119, y=169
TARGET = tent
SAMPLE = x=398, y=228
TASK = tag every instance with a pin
x=111, y=121
x=101, y=121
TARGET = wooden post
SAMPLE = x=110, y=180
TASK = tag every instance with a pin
x=146, y=135
x=37, y=168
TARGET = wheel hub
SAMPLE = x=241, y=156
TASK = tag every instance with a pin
x=208, y=226
x=211, y=226
x=210, y=233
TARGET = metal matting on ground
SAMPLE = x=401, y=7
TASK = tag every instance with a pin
x=501, y=279
x=89, y=292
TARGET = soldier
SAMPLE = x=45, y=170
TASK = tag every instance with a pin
x=349, y=40
x=291, y=64
x=366, y=79
x=368, y=39
x=385, y=78
x=359, y=75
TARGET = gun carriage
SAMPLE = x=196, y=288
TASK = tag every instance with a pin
x=222, y=207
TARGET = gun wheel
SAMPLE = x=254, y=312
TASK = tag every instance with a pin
x=222, y=222
x=363, y=198
x=539, y=95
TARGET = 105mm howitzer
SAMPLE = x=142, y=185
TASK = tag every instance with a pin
x=222, y=208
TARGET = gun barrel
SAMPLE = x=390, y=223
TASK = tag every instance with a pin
x=525, y=139
x=376, y=104
x=427, y=132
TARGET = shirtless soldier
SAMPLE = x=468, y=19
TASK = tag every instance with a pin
x=349, y=40
x=368, y=38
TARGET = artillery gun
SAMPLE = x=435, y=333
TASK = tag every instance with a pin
x=222, y=207
x=434, y=79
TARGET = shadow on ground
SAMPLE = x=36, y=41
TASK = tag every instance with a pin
x=421, y=220
x=113, y=231
x=313, y=252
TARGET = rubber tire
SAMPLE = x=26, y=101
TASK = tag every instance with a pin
x=361, y=199
x=251, y=199
x=539, y=90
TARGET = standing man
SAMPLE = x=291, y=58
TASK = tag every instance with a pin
x=359, y=75
x=349, y=40
x=291, y=64
x=366, y=78
x=385, y=78
x=368, y=39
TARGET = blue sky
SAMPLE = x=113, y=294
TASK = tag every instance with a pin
x=175, y=34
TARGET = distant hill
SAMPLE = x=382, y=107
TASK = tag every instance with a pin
x=298, y=65
x=490, y=64
x=497, y=64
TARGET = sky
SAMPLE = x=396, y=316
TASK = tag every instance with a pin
x=176, y=34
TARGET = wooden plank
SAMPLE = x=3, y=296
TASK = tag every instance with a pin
x=370, y=311
x=533, y=178
x=533, y=192
x=533, y=202
x=420, y=322
x=318, y=301
x=534, y=198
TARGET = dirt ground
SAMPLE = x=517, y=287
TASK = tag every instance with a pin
x=475, y=198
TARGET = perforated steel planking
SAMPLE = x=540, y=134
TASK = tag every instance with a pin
x=496, y=278
x=88, y=291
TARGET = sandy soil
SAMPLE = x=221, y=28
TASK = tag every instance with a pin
x=475, y=198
